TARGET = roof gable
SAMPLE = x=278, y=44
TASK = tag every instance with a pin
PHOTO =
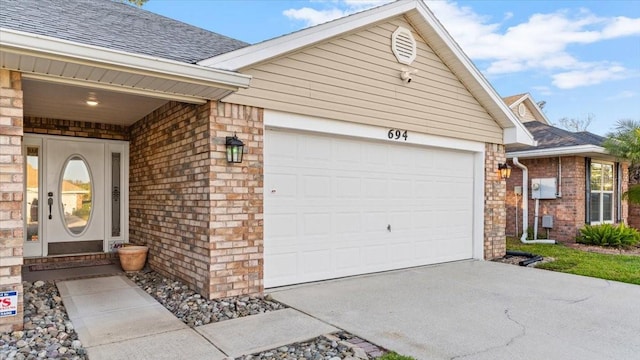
x=355, y=77
x=115, y=25
x=530, y=107
x=424, y=23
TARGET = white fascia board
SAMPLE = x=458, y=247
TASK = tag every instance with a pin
x=527, y=97
x=521, y=99
x=268, y=49
x=564, y=151
x=519, y=134
x=48, y=47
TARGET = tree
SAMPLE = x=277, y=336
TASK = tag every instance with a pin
x=138, y=3
x=576, y=125
x=624, y=143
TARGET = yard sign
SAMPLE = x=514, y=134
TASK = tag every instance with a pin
x=8, y=303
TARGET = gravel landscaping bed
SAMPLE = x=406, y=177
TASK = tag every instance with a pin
x=192, y=308
x=49, y=334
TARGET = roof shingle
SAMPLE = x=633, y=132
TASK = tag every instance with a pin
x=549, y=137
x=115, y=25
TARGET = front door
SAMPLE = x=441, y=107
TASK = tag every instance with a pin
x=73, y=195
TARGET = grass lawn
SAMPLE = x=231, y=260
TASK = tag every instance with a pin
x=624, y=268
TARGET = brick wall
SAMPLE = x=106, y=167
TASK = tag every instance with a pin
x=237, y=203
x=200, y=216
x=568, y=211
x=45, y=126
x=494, y=204
x=11, y=192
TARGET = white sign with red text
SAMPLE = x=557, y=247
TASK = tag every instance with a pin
x=8, y=303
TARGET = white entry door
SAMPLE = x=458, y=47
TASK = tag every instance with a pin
x=74, y=189
x=76, y=194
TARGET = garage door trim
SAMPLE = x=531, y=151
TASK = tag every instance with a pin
x=274, y=120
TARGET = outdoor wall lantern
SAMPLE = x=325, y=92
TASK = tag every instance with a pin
x=235, y=149
x=504, y=170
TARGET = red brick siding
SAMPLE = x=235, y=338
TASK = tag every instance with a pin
x=237, y=241
x=200, y=216
x=46, y=126
x=494, y=204
x=169, y=190
x=11, y=192
x=568, y=211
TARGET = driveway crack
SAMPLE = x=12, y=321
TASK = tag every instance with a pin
x=522, y=333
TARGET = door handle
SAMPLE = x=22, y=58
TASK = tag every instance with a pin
x=50, y=203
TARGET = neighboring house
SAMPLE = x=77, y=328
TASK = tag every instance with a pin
x=572, y=175
x=371, y=143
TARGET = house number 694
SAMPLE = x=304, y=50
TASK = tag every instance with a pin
x=396, y=134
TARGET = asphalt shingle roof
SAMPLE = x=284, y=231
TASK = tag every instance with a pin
x=115, y=25
x=549, y=137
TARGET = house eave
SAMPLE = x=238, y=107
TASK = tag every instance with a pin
x=581, y=150
x=52, y=59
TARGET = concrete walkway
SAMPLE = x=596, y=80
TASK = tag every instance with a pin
x=115, y=319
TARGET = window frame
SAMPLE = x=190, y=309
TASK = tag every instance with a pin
x=601, y=192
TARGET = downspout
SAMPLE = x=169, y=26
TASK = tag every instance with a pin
x=525, y=206
x=559, y=191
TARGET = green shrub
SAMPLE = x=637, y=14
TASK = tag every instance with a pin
x=609, y=235
x=394, y=356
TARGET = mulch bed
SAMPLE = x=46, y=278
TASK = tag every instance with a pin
x=635, y=250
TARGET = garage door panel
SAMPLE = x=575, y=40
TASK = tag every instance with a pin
x=316, y=224
x=334, y=200
x=348, y=223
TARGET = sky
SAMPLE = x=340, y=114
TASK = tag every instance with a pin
x=582, y=58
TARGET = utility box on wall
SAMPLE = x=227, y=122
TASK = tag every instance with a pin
x=544, y=188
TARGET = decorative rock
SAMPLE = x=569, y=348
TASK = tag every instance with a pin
x=38, y=284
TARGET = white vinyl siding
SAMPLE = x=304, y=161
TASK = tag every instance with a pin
x=356, y=78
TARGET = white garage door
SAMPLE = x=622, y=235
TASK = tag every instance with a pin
x=337, y=206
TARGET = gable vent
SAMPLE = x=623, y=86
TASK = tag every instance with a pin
x=403, y=45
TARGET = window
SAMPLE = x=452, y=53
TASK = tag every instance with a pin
x=601, y=200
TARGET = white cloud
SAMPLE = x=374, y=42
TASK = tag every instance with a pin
x=541, y=43
x=586, y=77
x=543, y=90
x=336, y=9
x=313, y=17
x=621, y=26
x=625, y=94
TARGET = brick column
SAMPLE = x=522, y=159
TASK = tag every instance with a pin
x=495, y=214
x=236, y=231
x=11, y=192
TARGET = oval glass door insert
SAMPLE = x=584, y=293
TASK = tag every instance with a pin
x=76, y=195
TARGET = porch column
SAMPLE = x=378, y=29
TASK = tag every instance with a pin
x=11, y=195
x=495, y=211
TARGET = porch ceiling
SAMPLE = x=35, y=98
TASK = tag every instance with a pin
x=59, y=76
x=68, y=102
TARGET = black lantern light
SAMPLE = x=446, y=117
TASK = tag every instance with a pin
x=235, y=149
x=504, y=170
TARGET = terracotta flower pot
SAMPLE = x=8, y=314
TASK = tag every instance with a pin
x=132, y=258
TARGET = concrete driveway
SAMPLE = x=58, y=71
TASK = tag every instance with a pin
x=480, y=310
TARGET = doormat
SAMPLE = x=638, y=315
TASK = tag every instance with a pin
x=69, y=265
